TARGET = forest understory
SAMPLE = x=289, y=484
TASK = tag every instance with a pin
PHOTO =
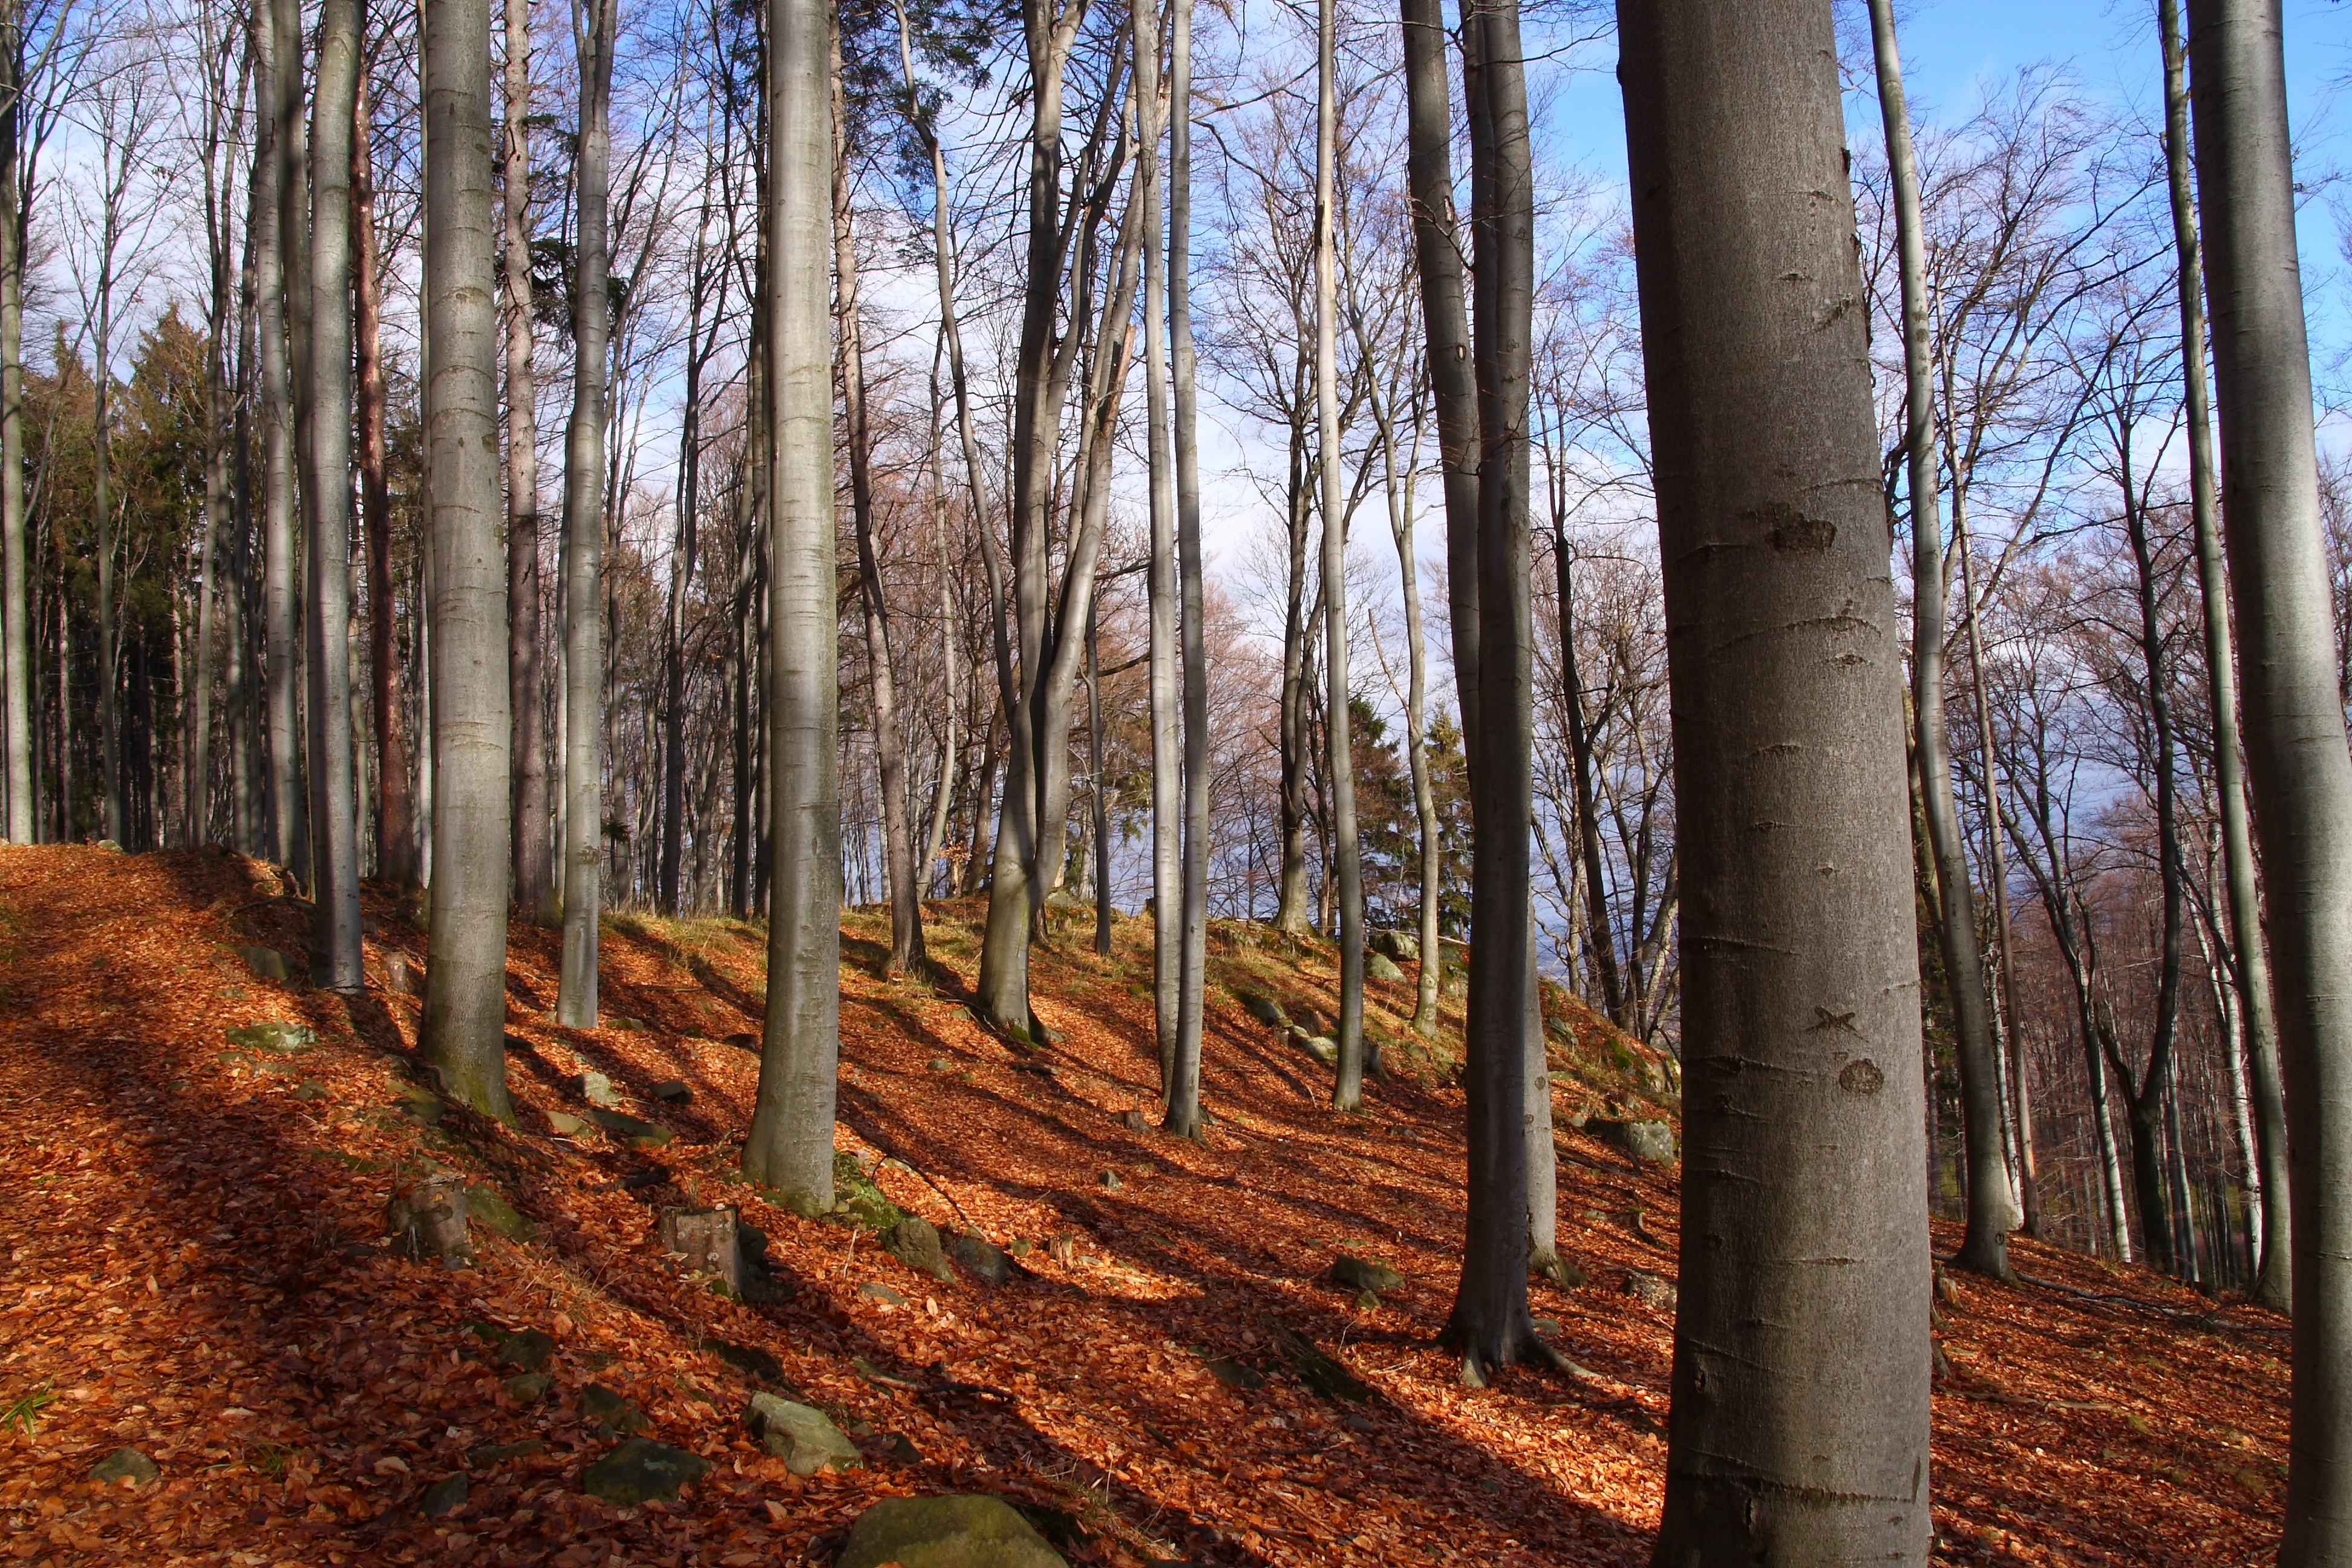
x=197, y=1269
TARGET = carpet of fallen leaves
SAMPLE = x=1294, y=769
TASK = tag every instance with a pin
x=194, y=1267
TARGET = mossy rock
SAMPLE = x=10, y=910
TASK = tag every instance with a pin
x=967, y=1532
x=642, y=1471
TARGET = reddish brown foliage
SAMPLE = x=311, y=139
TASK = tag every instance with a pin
x=194, y=1267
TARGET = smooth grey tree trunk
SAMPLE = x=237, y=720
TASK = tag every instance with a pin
x=583, y=528
x=16, y=602
x=1345, y=871
x=1798, y=1432
x=1167, y=768
x=2249, y=964
x=287, y=833
x=395, y=799
x=2298, y=775
x=1991, y=1201
x=533, y=855
x=197, y=794
x=1183, y=1116
x=907, y=955
x=327, y=511
x=789, y=1146
x=465, y=994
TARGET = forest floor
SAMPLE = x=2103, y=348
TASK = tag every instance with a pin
x=195, y=1267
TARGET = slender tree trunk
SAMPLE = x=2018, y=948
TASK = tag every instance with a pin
x=907, y=955
x=1102, y=792
x=1997, y=875
x=533, y=855
x=1296, y=728
x=465, y=1000
x=1183, y=1116
x=15, y=602
x=109, y=720
x=584, y=532
x=688, y=515
x=789, y=1146
x=326, y=509
x=287, y=834
x=1800, y=1394
x=1167, y=781
x=1992, y=1205
x=2250, y=961
x=1348, y=1089
x=395, y=806
x=1601, y=934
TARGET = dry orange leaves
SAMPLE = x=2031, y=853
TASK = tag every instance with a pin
x=195, y=1268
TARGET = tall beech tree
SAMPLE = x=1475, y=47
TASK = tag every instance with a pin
x=1800, y=1369
x=2298, y=772
x=789, y=1146
x=2249, y=962
x=326, y=509
x=534, y=881
x=464, y=1031
x=583, y=524
x=1992, y=1200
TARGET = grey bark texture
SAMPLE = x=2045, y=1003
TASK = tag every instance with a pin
x=1184, y=1089
x=465, y=951
x=1340, y=770
x=2249, y=965
x=789, y=1146
x=1798, y=1432
x=327, y=512
x=1991, y=1201
x=278, y=548
x=16, y=604
x=2298, y=775
x=1167, y=783
x=534, y=882
x=583, y=529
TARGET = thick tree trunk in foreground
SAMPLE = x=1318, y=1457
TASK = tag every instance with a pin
x=2249, y=968
x=1993, y=1203
x=465, y=994
x=1339, y=769
x=2297, y=771
x=534, y=870
x=277, y=606
x=789, y=1146
x=583, y=533
x=327, y=511
x=1800, y=1370
x=1167, y=783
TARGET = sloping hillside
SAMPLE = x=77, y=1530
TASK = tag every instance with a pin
x=196, y=1269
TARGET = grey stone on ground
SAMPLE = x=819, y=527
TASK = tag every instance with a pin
x=126, y=1464
x=1651, y=1141
x=914, y=1242
x=1376, y=966
x=1324, y=1049
x=1110, y=1179
x=642, y=1471
x=882, y=1293
x=269, y=1035
x=1403, y=946
x=524, y=1352
x=1650, y=1289
x=1234, y=1374
x=709, y=1241
x=445, y=1497
x=673, y=1092
x=968, y=1532
x=1560, y=1272
x=806, y=1440
x=1265, y=1010
x=598, y=1090
x=986, y=1261
x=528, y=1389
x=1362, y=1274
x=637, y=1133
x=610, y=1410
x=484, y=1203
x=266, y=962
